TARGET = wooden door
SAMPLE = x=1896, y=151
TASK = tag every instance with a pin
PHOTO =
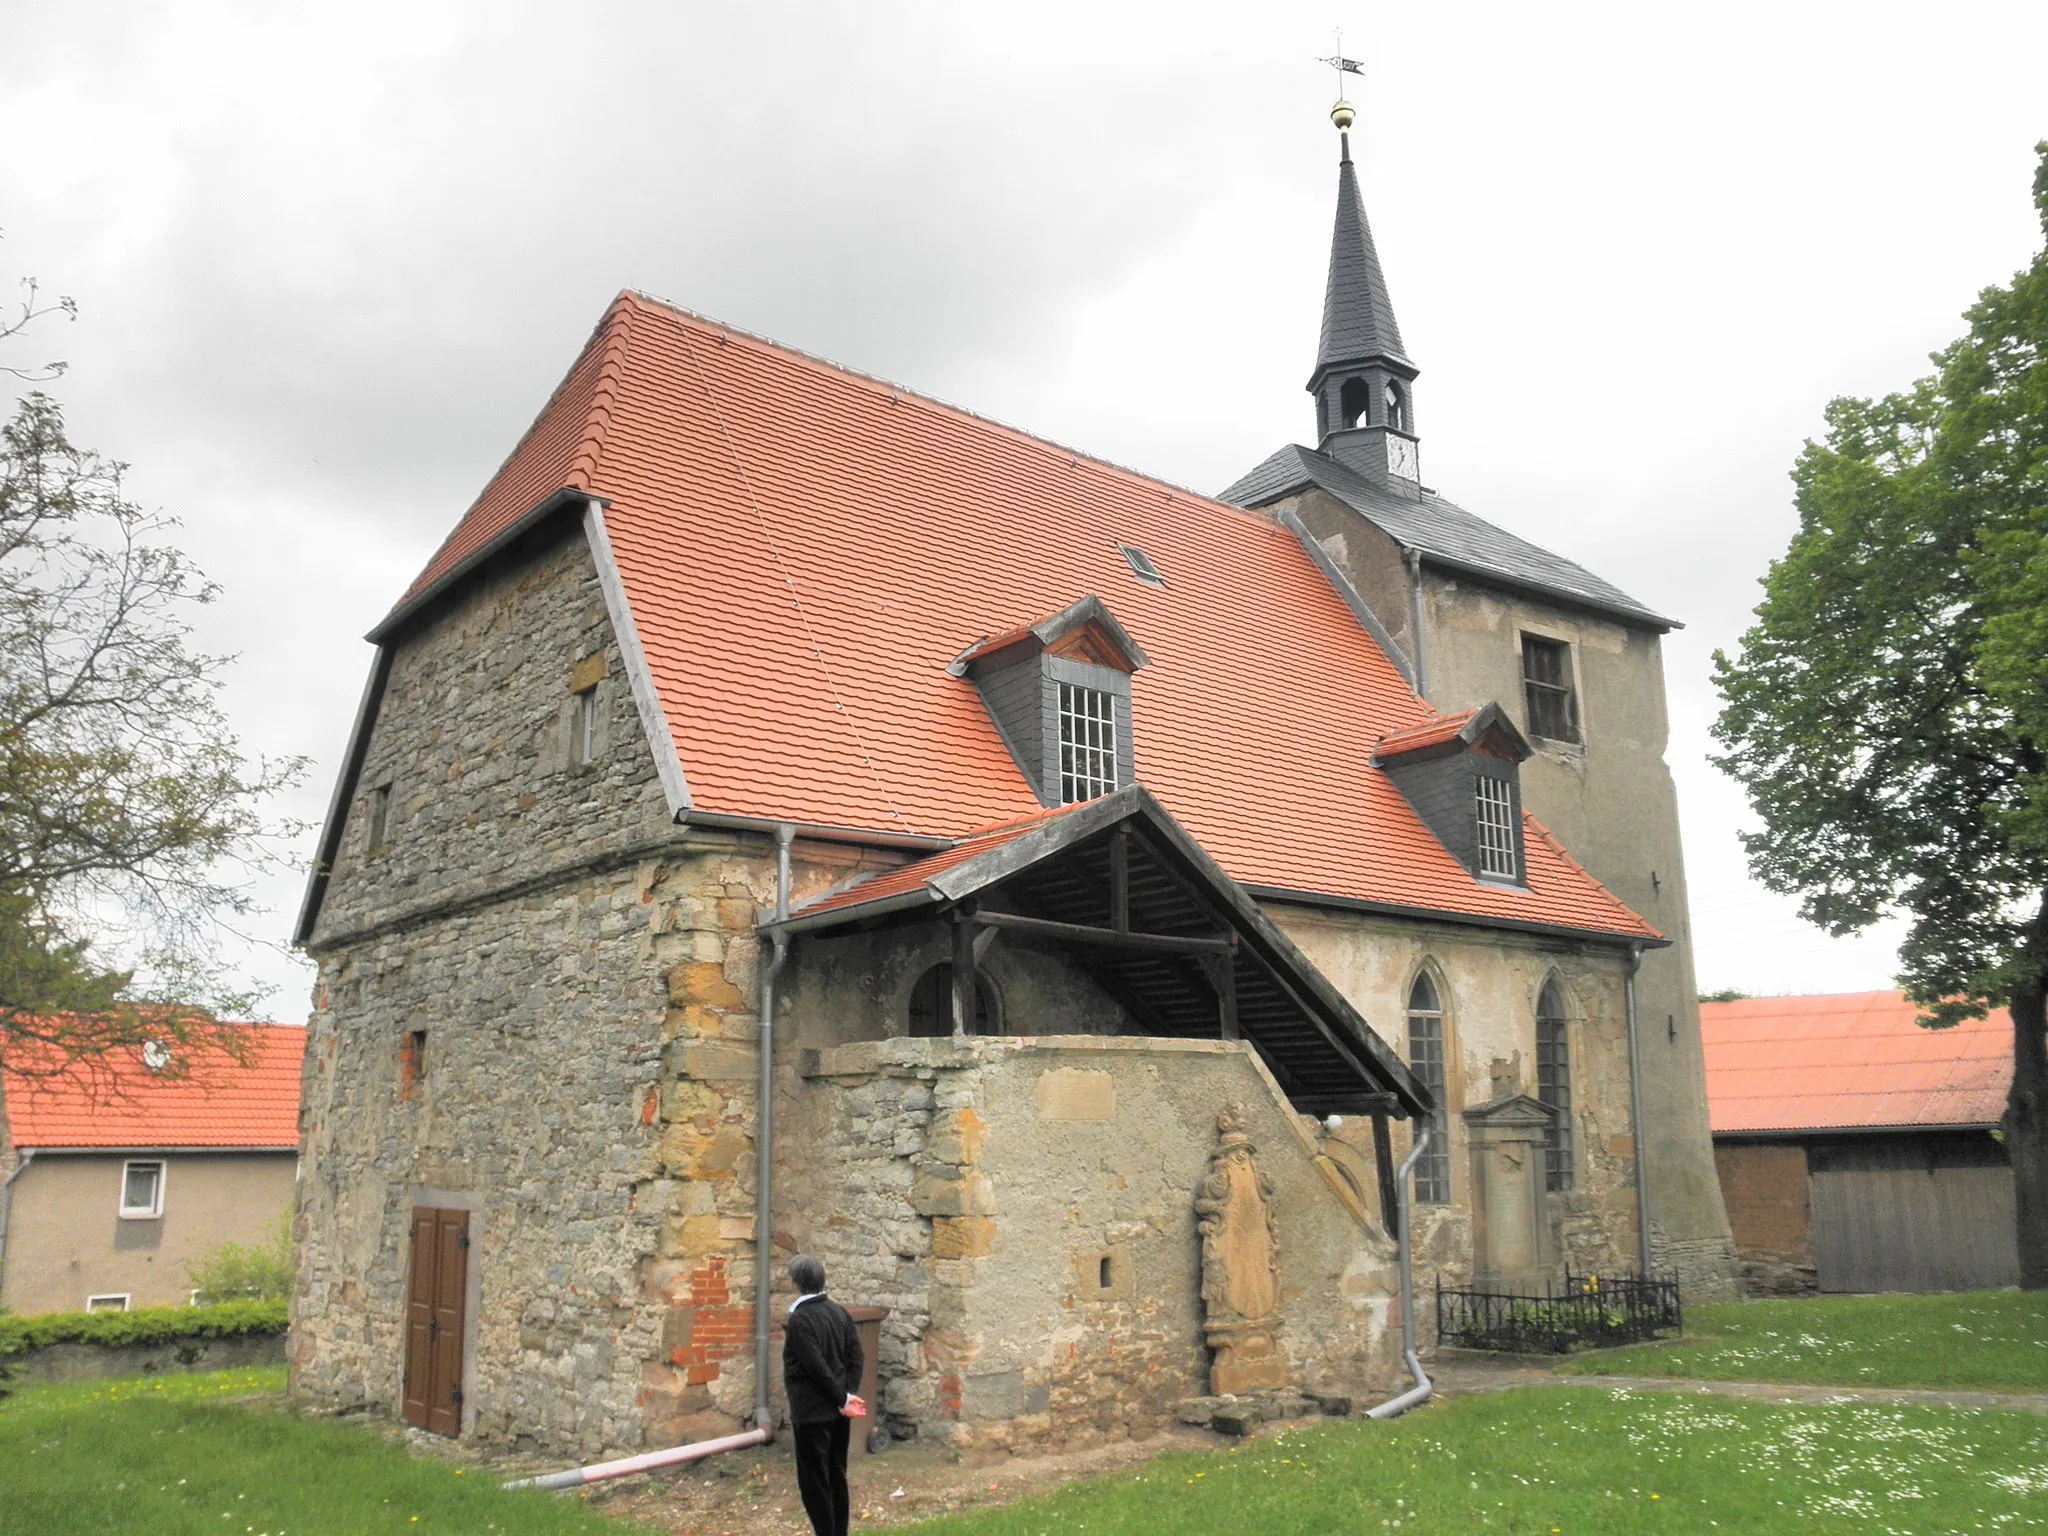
x=435, y=1295
x=1914, y=1215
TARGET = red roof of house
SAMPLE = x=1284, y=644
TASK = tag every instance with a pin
x=805, y=549
x=1428, y=734
x=1855, y=1061
x=211, y=1101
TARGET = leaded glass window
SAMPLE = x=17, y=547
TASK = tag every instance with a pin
x=1087, y=743
x=1554, y=1087
x=1426, y=1060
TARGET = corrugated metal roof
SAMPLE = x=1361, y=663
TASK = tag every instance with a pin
x=805, y=550
x=1443, y=531
x=213, y=1101
x=1854, y=1061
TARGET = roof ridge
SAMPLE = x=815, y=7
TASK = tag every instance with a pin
x=936, y=402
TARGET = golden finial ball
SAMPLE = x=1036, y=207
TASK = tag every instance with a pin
x=1342, y=115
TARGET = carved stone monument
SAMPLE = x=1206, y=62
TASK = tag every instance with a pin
x=1512, y=1246
x=1240, y=1265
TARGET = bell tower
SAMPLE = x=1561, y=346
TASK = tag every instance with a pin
x=1364, y=384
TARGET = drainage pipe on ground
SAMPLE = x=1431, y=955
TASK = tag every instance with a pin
x=764, y=1126
x=626, y=1466
x=1635, y=1110
x=1394, y=1407
x=764, y=1133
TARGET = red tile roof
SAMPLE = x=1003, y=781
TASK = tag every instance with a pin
x=805, y=550
x=1849, y=1062
x=921, y=872
x=1429, y=734
x=214, y=1102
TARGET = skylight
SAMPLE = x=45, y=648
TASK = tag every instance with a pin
x=1141, y=567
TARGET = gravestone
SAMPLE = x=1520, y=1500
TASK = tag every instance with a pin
x=1512, y=1247
x=1240, y=1265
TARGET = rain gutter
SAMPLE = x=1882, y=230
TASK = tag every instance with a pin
x=28, y=1155
x=764, y=1129
x=1635, y=1110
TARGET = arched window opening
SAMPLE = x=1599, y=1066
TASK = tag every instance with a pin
x=931, y=1004
x=1554, y=1087
x=1397, y=409
x=1426, y=1060
x=1353, y=402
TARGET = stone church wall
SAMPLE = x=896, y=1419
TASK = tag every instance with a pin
x=1026, y=1210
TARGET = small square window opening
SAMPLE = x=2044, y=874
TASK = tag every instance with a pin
x=115, y=1302
x=142, y=1191
x=1494, y=807
x=377, y=828
x=1141, y=566
x=583, y=729
x=1547, y=689
x=1087, y=743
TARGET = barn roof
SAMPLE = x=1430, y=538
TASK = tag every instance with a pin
x=801, y=551
x=1849, y=1062
x=208, y=1100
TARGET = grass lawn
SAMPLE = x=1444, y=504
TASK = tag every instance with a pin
x=1567, y=1461
x=171, y=1457
x=1992, y=1340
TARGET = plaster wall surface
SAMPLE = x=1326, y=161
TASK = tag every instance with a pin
x=66, y=1238
x=1610, y=800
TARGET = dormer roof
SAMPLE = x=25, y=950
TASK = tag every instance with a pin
x=1486, y=730
x=1082, y=631
x=793, y=555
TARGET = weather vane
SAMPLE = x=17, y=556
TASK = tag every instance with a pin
x=1341, y=114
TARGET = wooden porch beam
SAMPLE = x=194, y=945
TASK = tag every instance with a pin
x=1081, y=933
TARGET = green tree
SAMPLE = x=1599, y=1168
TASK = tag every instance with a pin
x=130, y=818
x=1888, y=712
x=253, y=1272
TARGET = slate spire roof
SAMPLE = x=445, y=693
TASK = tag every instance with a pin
x=1358, y=316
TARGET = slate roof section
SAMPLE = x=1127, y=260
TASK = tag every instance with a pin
x=1445, y=533
x=215, y=1103
x=1358, y=316
x=804, y=550
x=1850, y=1062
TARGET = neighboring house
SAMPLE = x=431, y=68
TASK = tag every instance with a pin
x=1856, y=1149
x=117, y=1176
x=1115, y=836
x=1474, y=615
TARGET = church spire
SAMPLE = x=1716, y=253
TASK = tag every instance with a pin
x=1363, y=383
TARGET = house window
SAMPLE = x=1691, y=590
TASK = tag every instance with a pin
x=1426, y=1060
x=1554, y=1087
x=1547, y=689
x=412, y=1063
x=1495, y=807
x=1141, y=565
x=142, y=1191
x=583, y=743
x=1087, y=743
x=116, y=1301
x=931, y=1005
x=377, y=829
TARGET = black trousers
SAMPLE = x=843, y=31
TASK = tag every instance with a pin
x=821, y=1473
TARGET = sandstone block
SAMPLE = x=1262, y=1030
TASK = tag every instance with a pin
x=962, y=1237
x=703, y=981
x=1070, y=1093
x=956, y=1137
x=971, y=1194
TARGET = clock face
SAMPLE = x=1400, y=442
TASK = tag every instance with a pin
x=1401, y=458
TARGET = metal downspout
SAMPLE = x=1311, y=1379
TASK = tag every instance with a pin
x=1635, y=1111
x=764, y=1133
x=1394, y=1407
x=1415, y=620
x=28, y=1155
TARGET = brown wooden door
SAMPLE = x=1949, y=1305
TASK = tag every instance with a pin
x=434, y=1319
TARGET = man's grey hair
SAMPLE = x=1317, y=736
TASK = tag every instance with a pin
x=807, y=1274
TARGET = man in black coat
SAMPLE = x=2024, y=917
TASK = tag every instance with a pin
x=821, y=1366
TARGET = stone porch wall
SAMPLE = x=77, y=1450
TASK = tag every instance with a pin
x=985, y=1191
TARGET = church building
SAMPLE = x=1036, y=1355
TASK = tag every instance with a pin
x=790, y=813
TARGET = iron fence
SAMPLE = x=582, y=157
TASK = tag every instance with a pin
x=1586, y=1312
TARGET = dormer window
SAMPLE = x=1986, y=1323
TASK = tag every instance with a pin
x=1059, y=695
x=1462, y=777
x=1087, y=743
x=1494, y=814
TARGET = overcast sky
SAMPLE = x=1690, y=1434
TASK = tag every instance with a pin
x=330, y=260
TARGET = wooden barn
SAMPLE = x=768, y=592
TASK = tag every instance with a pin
x=1857, y=1150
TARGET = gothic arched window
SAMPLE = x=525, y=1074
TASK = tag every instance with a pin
x=1426, y=1060
x=1397, y=412
x=1554, y=1086
x=1353, y=402
x=931, y=1005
